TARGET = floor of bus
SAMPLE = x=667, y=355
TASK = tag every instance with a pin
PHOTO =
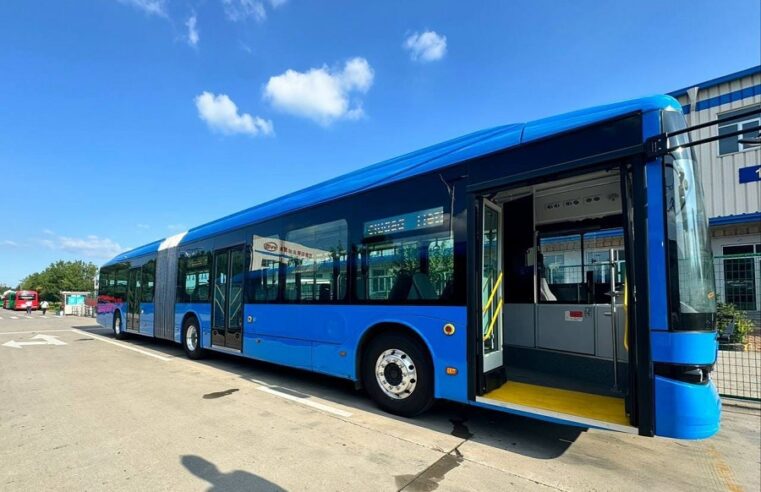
x=607, y=409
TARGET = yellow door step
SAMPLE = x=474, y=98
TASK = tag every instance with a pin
x=596, y=407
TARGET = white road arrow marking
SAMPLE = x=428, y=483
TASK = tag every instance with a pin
x=38, y=340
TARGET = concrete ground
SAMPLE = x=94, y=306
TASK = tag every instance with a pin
x=80, y=410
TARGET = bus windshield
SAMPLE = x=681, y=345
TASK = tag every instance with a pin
x=691, y=273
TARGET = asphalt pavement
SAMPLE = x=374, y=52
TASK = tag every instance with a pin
x=80, y=410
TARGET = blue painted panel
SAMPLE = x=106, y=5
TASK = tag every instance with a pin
x=686, y=411
x=556, y=124
x=202, y=312
x=122, y=308
x=656, y=232
x=749, y=174
x=291, y=352
x=105, y=319
x=146, y=318
x=315, y=336
x=688, y=347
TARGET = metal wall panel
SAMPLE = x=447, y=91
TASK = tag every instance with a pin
x=604, y=332
x=519, y=324
x=725, y=195
x=558, y=329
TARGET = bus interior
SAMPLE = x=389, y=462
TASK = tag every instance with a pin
x=553, y=304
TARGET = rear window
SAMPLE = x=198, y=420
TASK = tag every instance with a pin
x=26, y=296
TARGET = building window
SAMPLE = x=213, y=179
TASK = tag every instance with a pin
x=749, y=125
x=740, y=276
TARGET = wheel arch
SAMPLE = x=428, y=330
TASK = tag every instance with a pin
x=384, y=327
x=185, y=317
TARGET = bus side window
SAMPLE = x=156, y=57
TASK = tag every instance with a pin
x=409, y=269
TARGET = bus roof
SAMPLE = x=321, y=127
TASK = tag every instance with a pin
x=429, y=159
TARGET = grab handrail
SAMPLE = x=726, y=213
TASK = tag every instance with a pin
x=488, y=333
x=493, y=292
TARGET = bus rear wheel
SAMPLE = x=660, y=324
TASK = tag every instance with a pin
x=398, y=375
x=119, y=332
x=191, y=338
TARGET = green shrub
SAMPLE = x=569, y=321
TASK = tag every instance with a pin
x=728, y=313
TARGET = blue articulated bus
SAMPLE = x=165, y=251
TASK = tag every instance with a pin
x=558, y=269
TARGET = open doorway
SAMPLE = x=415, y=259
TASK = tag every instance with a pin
x=553, y=280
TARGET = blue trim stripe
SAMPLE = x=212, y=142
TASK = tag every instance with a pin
x=684, y=347
x=719, y=80
x=685, y=410
x=656, y=247
x=735, y=219
x=656, y=231
x=727, y=98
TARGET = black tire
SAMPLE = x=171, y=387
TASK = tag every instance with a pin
x=411, y=399
x=118, y=327
x=192, y=349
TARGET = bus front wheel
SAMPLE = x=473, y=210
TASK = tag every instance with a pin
x=191, y=338
x=119, y=332
x=398, y=374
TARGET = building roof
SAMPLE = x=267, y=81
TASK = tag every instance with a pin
x=422, y=161
x=719, y=80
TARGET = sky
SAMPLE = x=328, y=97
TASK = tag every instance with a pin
x=126, y=121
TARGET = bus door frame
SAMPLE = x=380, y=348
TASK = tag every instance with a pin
x=220, y=336
x=134, y=296
x=496, y=377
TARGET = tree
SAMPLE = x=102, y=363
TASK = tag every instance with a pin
x=60, y=276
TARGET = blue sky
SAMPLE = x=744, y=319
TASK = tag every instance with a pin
x=125, y=121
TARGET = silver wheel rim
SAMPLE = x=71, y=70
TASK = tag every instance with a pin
x=118, y=325
x=191, y=338
x=396, y=374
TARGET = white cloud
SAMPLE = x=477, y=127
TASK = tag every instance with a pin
x=240, y=10
x=48, y=232
x=277, y=3
x=192, y=30
x=143, y=226
x=90, y=246
x=8, y=242
x=221, y=114
x=321, y=94
x=246, y=47
x=426, y=47
x=150, y=7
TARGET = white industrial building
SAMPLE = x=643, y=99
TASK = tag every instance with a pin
x=730, y=170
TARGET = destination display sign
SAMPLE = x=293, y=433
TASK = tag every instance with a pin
x=423, y=219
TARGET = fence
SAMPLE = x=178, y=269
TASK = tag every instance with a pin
x=737, y=372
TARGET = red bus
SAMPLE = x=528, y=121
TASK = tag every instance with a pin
x=16, y=300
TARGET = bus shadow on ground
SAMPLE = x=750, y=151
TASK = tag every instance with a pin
x=234, y=480
x=512, y=433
